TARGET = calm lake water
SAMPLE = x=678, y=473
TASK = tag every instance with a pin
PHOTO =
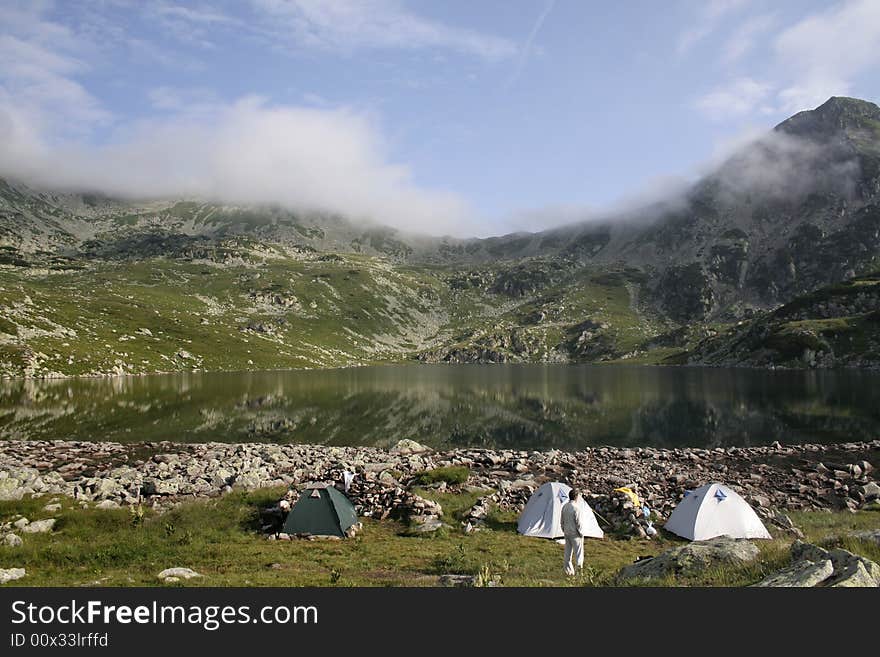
x=515, y=406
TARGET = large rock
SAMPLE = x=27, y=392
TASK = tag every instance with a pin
x=9, y=574
x=10, y=489
x=107, y=488
x=407, y=446
x=856, y=573
x=801, y=574
x=11, y=540
x=693, y=558
x=39, y=526
x=162, y=486
x=16, y=482
x=871, y=536
x=176, y=574
x=425, y=524
x=850, y=570
x=871, y=491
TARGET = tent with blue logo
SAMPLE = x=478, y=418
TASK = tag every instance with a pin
x=715, y=510
x=542, y=516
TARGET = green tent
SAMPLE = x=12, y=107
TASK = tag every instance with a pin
x=321, y=511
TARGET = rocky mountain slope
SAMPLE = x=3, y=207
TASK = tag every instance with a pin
x=834, y=326
x=94, y=285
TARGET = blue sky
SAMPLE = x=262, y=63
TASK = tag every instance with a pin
x=455, y=116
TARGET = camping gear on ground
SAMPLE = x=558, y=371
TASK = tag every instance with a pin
x=542, y=515
x=715, y=510
x=630, y=494
x=649, y=530
x=321, y=510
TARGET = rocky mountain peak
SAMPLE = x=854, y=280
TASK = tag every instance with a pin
x=838, y=114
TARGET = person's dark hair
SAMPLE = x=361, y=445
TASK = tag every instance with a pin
x=573, y=494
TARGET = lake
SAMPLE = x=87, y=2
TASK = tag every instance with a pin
x=509, y=406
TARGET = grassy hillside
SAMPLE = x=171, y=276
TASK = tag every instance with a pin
x=251, y=305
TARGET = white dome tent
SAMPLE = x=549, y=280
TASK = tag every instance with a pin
x=715, y=510
x=542, y=514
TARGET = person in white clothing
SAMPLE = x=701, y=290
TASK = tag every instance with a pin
x=572, y=529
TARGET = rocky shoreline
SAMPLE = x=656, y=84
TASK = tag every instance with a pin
x=778, y=477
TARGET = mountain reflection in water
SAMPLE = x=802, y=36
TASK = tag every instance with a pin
x=512, y=406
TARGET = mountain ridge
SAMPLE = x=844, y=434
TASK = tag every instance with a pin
x=793, y=212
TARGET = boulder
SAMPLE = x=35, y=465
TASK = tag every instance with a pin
x=176, y=574
x=425, y=524
x=850, y=570
x=856, y=574
x=162, y=486
x=407, y=446
x=39, y=526
x=801, y=574
x=107, y=488
x=870, y=536
x=457, y=580
x=16, y=482
x=11, y=540
x=693, y=558
x=871, y=491
x=9, y=574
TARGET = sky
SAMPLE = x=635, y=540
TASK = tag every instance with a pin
x=459, y=117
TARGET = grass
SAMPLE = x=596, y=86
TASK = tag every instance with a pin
x=220, y=539
x=87, y=317
x=451, y=475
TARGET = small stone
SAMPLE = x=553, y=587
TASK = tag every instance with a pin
x=457, y=580
x=12, y=540
x=426, y=524
x=51, y=508
x=178, y=573
x=9, y=574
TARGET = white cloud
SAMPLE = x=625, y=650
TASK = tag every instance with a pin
x=825, y=51
x=738, y=98
x=243, y=152
x=780, y=166
x=350, y=25
x=819, y=56
x=247, y=152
